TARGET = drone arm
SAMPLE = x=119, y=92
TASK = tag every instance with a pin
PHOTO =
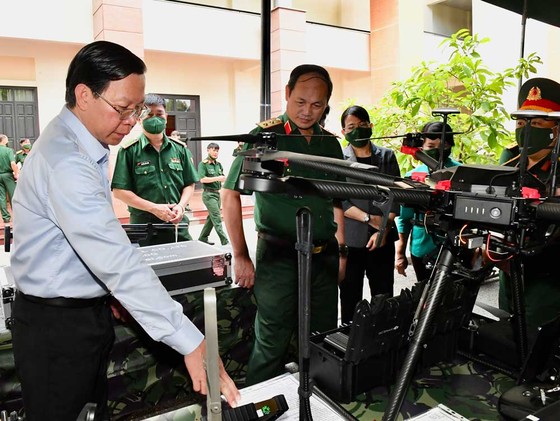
x=420, y=155
x=549, y=210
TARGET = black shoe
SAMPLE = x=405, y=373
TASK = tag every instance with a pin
x=206, y=241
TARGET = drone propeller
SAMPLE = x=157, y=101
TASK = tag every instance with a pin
x=247, y=138
x=413, y=134
x=253, y=138
x=351, y=169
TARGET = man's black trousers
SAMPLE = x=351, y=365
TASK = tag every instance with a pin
x=61, y=357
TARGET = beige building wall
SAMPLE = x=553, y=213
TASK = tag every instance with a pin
x=215, y=53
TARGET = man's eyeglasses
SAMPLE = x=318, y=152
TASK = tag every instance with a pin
x=139, y=111
x=363, y=125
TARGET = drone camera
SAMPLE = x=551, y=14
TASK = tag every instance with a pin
x=413, y=140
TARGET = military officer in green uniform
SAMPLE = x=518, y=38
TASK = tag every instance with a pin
x=541, y=272
x=9, y=172
x=275, y=278
x=25, y=148
x=211, y=175
x=154, y=177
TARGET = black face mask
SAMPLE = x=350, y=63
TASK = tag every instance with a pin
x=434, y=153
x=359, y=137
x=539, y=138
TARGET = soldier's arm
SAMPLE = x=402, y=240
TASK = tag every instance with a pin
x=242, y=266
x=15, y=169
x=163, y=211
x=339, y=219
x=179, y=208
x=213, y=179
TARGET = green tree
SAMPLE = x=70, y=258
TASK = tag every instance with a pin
x=463, y=82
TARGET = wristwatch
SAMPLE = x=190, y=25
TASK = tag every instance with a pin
x=343, y=250
x=366, y=218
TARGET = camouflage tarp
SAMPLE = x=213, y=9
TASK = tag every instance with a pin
x=464, y=386
x=146, y=377
x=143, y=373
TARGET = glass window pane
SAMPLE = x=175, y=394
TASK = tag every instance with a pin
x=5, y=94
x=169, y=104
x=23, y=95
x=185, y=105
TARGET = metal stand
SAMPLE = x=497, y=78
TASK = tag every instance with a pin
x=213, y=399
x=427, y=311
x=304, y=246
x=518, y=302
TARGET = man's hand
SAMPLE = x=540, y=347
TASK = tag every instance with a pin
x=373, y=239
x=342, y=268
x=164, y=212
x=401, y=263
x=178, y=212
x=197, y=372
x=244, y=271
x=119, y=312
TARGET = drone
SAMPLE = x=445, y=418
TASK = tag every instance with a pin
x=502, y=208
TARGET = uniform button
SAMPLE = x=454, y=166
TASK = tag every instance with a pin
x=161, y=170
x=164, y=187
x=145, y=172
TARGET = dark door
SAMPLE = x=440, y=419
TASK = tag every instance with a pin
x=184, y=116
x=18, y=114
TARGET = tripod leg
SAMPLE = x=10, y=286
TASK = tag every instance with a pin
x=518, y=303
x=427, y=313
x=304, y=245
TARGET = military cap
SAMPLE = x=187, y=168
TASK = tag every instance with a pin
x=539, y=94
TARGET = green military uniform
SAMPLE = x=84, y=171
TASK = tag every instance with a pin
x=7, y=180
x=276, y=277
x=159, y=177
x=20, y=157
x=541, y=273
x=211, y=199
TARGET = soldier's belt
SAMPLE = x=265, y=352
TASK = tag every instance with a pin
x=212, y=190
x=318, y=246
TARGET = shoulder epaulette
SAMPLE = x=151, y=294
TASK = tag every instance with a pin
x=19, y=152
x=269, y=123
x=180, y=142
x=129, y=143
x=205, y=161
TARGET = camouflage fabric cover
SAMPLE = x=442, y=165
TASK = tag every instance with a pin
x=142, y=373
x=468, y=388
x=147, y=378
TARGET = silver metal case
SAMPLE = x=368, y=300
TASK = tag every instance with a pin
x=189, y=265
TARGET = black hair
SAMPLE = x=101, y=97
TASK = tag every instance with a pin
x=437, y=127
x=212, y=146
x=357, y=111
x=305, y=69
x=99, y=63
x=153, y=99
